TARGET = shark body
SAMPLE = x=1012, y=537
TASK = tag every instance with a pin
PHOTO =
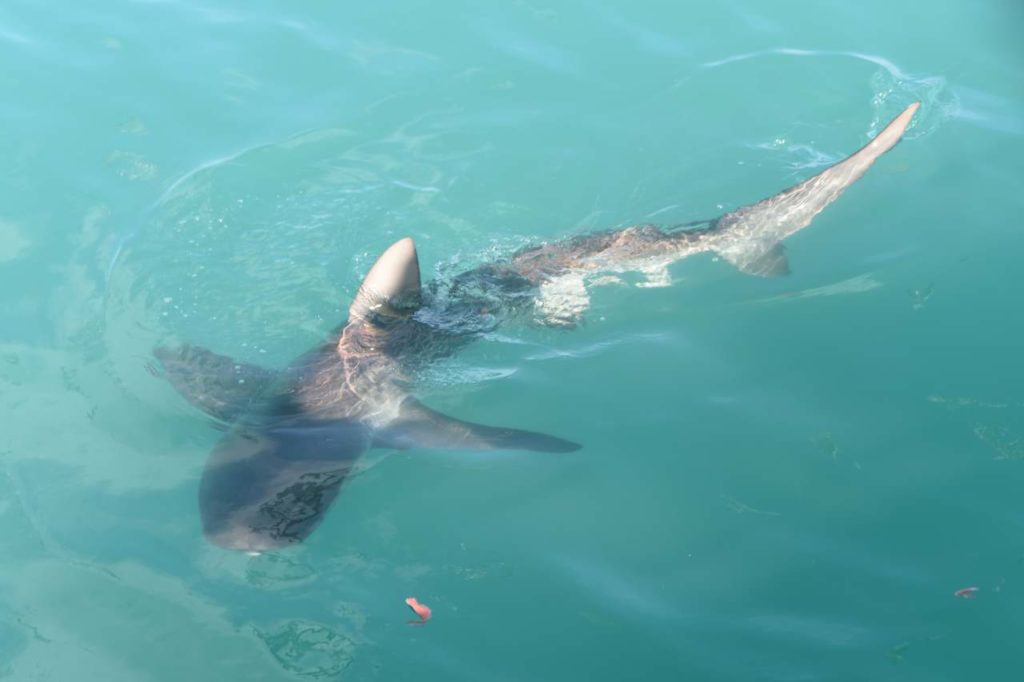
x=293, y=436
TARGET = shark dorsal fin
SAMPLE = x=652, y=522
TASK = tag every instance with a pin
x=392, y=284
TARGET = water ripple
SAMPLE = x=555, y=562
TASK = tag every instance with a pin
x=797, y=52
x=894, y=88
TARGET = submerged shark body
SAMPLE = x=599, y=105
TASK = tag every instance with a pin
x=295, y=435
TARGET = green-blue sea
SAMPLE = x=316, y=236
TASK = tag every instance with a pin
x=809, y=477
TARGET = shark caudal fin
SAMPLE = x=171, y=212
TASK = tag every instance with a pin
x=216, y=384
x=392, y=286
x=419, y=426
x=750, y=235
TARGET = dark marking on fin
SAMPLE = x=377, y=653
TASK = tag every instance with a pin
x=419, y=426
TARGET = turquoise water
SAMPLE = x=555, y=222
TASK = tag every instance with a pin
x=781, y=479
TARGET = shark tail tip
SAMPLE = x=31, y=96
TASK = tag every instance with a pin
x=900, y=123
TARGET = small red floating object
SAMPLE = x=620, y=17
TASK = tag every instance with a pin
x=966, y=593
x=421, y=610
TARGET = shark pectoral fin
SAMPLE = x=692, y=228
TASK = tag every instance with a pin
x=419, y=426
x=214, y=383
x=758, y=259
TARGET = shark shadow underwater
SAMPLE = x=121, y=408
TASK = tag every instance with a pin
x=293, y=436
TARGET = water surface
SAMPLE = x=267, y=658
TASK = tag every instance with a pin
x=781, y=480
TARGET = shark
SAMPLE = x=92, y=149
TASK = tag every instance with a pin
x=291, y=437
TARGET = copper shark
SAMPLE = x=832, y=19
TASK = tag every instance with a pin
x=294, y=435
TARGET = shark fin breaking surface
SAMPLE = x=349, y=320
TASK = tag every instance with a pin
x=393, y=283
